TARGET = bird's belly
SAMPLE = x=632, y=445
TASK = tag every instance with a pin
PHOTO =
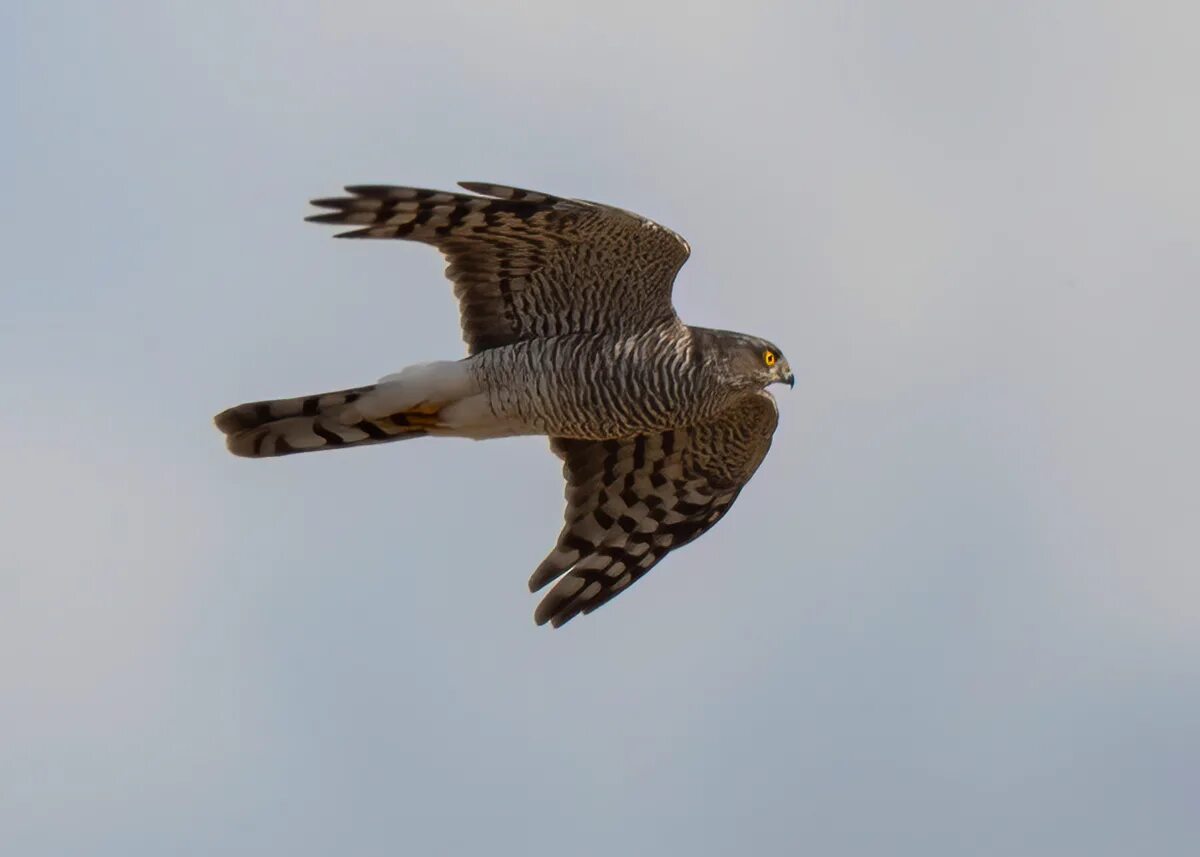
x=592, y=393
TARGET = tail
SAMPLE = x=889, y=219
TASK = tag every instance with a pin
x=399, y=407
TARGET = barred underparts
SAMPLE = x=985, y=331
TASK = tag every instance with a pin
x=570, y=331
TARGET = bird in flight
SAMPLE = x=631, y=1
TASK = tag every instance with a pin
x=570, y=331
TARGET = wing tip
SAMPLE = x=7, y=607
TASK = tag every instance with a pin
x=482, y=188
x=546, y=573
x=339, y=218
x=339, y=203
x=553, y=615
x=511, y=194
x=326, y=217
x=376, y=190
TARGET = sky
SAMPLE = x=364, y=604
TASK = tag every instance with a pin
x=957, y=611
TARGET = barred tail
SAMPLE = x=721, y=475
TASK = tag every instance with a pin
x=309, y=423
x=399, y=407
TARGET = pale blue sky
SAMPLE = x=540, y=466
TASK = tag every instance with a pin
x=955, y=613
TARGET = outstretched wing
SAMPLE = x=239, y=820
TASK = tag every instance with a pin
x=526, y=264
x=630, y=502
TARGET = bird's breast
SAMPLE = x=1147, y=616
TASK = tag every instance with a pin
x=596, y=387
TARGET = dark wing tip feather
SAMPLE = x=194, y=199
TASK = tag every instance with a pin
x=334, y=217
x=514, y=194
x=346, y=217
x=400, y=193
x=384, y=191
x=230, y=420
x=338, y=202
x=339, y=217
x=489, y=189
x=555, y=612
x=546, y=573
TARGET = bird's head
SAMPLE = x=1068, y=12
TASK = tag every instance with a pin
x=755, y=362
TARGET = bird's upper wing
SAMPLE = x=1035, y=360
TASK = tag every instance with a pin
x=527, y=264
x=630, y=502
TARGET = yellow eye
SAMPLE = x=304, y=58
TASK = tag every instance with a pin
x=769, y=357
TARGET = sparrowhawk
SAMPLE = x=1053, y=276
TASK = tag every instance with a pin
x=570, y=331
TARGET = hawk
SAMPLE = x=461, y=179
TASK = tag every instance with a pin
x=570, y=331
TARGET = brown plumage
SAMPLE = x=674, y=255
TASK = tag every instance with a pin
x=567, y=315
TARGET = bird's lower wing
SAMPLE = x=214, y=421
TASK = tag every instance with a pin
x=630, y=502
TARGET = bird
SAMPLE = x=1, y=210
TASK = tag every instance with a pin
x=566, y=311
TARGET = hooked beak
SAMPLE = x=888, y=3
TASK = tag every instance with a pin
x=789, y=379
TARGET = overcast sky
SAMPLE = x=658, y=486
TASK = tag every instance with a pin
x=957, y=612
